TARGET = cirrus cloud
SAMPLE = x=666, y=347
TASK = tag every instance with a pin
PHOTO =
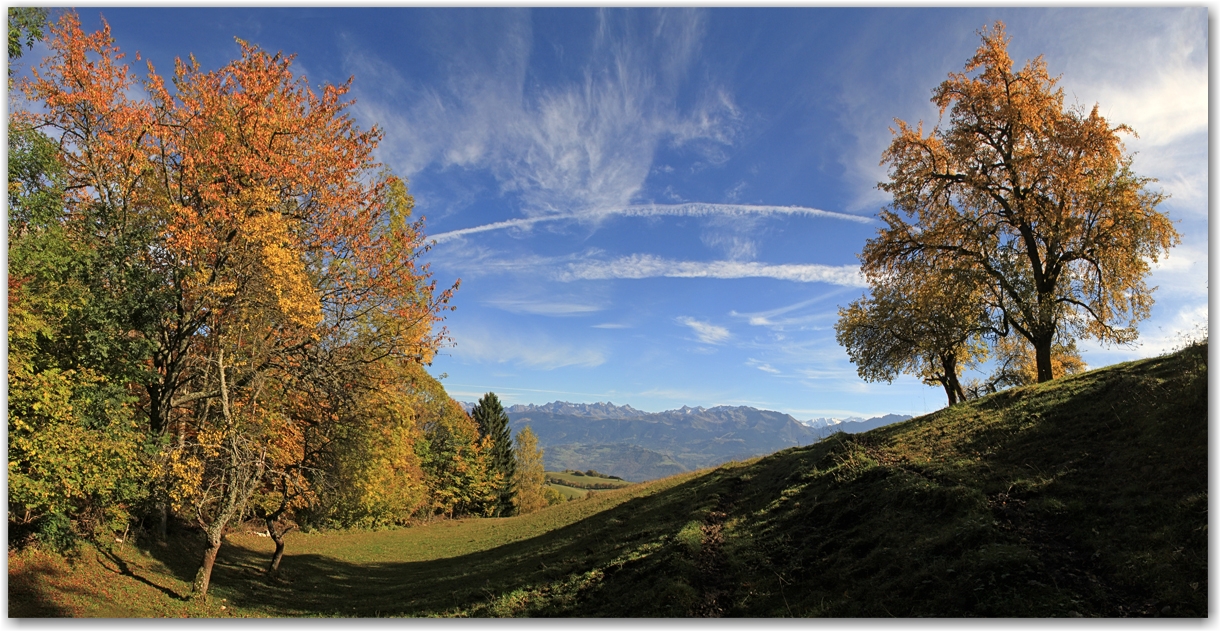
x=532, y=351
x=582, y=144
x=707, y=332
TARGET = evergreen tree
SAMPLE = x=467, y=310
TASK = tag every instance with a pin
x=493, y=422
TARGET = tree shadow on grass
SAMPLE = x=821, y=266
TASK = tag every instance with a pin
x=28, y=592
x=123, y=568
x=321, y=585
x=181, y=553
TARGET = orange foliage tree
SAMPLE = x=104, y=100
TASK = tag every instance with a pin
x=929, y=323
x=279, y=259
x=1037, y=198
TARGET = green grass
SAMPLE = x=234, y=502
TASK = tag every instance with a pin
x=568, y=492
x=572, y=486
x=1084, y=496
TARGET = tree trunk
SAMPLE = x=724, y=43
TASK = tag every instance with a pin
x=949, y=392
x=162, y=521
x=953, y=389
x=1042, y=355
x=204, y=577
x=244, y=472
x=277, y=536
x=274, y=568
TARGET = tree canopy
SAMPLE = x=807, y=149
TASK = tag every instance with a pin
x=217, y=305
x=529, y=476
x=929, y=324
x=1034, y=199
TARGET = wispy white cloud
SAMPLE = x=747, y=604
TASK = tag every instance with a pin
x=734, y=244
x=524, y=222
x=763, y=366
x=1147, y=69
x=533, y=351
x=1183, y=274
x=610, y=325
x=778, y=318
x=478, y=260
x=545, y=308
x=707, y=332
x=655, y=210
x=1163, y=108
x=649, y=266
x=1189, y=323
x=588, y=143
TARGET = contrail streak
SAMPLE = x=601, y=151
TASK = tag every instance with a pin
x=647, y=266
x=693, y=209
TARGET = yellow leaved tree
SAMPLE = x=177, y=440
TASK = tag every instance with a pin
x=279, y=263
x=529, y=477
x=1037, y=198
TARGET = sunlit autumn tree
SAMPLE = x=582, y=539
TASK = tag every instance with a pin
x=457, y=461
x=374, y=477
x=930, y=324
x=75, y=452
x=273, y=259
x=1038, y=197
x=103, y=149
x=529, y=477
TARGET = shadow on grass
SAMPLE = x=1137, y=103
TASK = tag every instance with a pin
x=603, y=544
x=1085, y=497
x=28, y=595
x=1092, y=490
x=122, y=567
x=181, y=553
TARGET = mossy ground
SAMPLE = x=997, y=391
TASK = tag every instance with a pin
x=1085, y=496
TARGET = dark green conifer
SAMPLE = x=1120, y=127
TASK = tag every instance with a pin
x=493, y=421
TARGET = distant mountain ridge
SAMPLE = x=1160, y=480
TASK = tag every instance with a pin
x=853, y=424
x=663, y=443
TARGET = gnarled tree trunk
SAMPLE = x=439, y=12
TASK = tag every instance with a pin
x=203, y=578
x=243, y=471
x=277, y=533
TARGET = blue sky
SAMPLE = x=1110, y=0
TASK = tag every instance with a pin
x=663, y=207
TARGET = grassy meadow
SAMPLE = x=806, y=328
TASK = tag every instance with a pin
x=568, y=493
x=1086, y=496
x=575, y=486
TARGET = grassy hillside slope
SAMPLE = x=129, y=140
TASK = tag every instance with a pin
x=1084, y=496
